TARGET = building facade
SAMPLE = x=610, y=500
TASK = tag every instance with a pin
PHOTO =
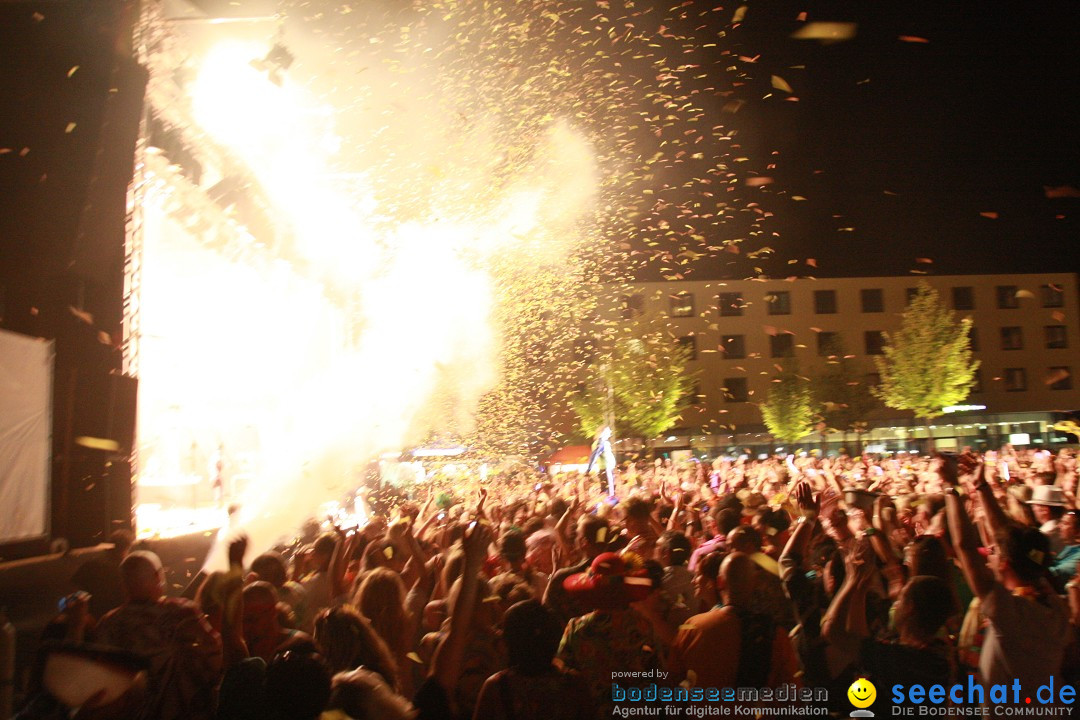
x=741, y=332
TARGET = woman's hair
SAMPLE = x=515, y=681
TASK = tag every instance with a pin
x=532, y=633
x=381, y=599
x=928, y=557
x=377, y=554
x=926, y=602
x=347, y=641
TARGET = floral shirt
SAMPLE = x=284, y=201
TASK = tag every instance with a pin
x=608, y=641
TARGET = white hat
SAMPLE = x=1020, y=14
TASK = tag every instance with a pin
x=1050, y=495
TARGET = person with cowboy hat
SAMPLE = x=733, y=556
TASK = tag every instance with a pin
x=1048, y=504
x=613, y=638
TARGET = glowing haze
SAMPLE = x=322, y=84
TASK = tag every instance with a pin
x=330, y=367
x=447, y=180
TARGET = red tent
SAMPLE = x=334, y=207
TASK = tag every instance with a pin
x=571, y=455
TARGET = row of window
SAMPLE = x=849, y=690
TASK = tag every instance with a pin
x=1015, y=379
x=872, y=300
x=1012, y=338
x=1058, y=377
x=828, y=342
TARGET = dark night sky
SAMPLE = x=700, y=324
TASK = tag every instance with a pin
x=909, y=142
x=897, y=146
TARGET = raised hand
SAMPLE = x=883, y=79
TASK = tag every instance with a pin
x=237, y=550
x=809, y=504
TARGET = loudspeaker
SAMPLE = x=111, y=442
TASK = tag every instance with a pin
x=105, y=407
x=99, y=494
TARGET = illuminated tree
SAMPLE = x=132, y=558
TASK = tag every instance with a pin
x=642, y=383
x=789, y=410
x=927, y=365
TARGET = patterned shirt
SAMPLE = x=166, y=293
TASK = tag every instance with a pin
x=608, y=641
x=183, y=650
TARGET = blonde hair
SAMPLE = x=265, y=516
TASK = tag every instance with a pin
x=381, y=599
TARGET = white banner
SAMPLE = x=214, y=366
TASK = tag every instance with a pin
x=26, y=372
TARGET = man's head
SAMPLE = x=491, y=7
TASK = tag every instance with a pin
x=322, y=550
x=298, y=685
x=142, y=576
x=636, y=511
x=674, y=549
x=1020, y=555
x=726, y=518
x=744, y=539
x=1047, y=503
x=1069, y=527
x=593, y=535
x=705, y=579
x=538, y=547
x=737, y=578
x=512, y=547
x=121, y=540
x=260, y=611
x=532, y=635
x=271, y=568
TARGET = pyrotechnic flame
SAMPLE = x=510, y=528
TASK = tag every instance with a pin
x=270, y=350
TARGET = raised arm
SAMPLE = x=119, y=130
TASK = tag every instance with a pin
x=446, y=665
x=965, y=544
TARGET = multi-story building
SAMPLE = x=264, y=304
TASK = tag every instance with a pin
x=740, y=332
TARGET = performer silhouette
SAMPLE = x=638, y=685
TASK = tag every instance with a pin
x=603, y=456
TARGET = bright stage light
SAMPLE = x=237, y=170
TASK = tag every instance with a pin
x=307, y=365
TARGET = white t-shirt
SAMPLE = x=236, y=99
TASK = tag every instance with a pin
x=1025, y=639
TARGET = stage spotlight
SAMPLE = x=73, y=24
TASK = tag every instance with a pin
x=276, y=62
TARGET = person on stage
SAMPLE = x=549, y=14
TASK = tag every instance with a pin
x=604, y=457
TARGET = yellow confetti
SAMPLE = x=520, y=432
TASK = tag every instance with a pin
x=780, y=84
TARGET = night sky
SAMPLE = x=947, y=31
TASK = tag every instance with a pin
x=933, y=134
x=942, y=132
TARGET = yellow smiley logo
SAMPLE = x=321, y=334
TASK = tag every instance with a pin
x=862, y=693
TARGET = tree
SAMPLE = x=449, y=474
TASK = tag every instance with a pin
x=789, y=411
x=927, y=365
x=642, y=382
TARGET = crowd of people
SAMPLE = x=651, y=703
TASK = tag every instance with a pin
x=535, y=596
